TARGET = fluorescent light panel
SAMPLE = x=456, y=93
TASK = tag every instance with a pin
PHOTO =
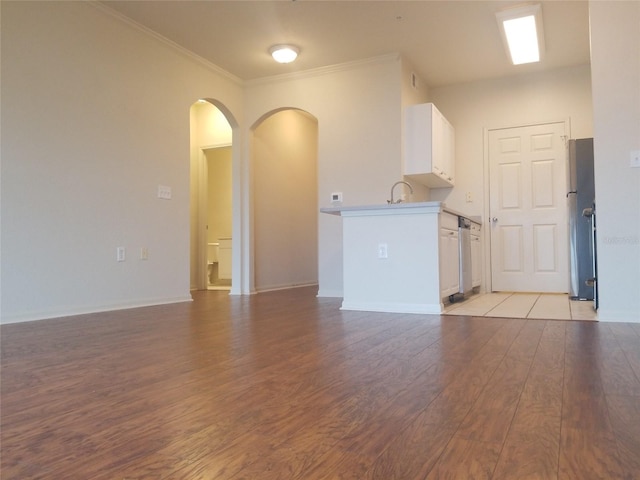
x=521, y=30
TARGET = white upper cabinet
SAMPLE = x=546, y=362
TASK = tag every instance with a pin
x=429, y=153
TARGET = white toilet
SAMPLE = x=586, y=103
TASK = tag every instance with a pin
x=212, y=260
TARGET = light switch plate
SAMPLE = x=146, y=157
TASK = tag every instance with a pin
x=164, y=192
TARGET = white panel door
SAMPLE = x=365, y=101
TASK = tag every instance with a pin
x=528, y=211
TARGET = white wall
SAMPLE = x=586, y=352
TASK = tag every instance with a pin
x=95, y=115
x=359, y=114
x=412, y=93
x=615, y=60
x=514, y=101
x=474, y=107
x=285, y=200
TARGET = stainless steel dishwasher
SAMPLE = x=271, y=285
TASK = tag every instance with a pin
x=464, y=252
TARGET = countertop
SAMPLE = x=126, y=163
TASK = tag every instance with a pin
x=396, y=209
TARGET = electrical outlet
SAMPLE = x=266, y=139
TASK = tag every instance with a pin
x=120, y=254
x=383, y=251
x=635, y=159
x=468, y=197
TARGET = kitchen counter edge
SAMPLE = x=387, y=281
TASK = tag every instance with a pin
x=396, y=209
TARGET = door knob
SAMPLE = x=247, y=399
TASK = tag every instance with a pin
x=494, y=219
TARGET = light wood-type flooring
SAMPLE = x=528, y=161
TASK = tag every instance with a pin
x=284, y=385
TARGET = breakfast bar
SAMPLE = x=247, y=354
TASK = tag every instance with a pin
x=398, y=258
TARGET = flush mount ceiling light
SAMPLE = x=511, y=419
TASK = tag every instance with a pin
x=522, y=34
x=284, y=53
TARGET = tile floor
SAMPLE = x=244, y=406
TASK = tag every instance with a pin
x=524, y=305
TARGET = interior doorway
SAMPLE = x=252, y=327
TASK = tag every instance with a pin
x=211, y=197
x=285, y=206
x=528, y=211
x=219, y=213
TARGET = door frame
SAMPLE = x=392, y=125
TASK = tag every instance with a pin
x=203, y=201
x=486, y=231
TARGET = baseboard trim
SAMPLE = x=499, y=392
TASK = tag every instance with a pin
x=60, y=313
x=418, y=308
x=624, y=316
x=275, y=288
x=330, y=293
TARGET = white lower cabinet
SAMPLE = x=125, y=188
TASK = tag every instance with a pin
x=449, y=258
x=476, y=263
x=476, y=255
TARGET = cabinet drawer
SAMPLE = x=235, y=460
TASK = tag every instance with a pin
x=448, y=221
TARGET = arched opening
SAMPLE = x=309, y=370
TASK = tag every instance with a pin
x=211, y=205
x=284, y=158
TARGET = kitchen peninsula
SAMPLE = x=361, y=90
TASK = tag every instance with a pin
x=400, y=258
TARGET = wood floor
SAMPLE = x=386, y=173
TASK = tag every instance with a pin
x=283, y=385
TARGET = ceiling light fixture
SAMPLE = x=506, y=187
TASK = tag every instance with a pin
x=522, y=34
x=284, y=53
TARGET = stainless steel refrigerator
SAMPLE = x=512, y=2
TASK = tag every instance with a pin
x=581, y=204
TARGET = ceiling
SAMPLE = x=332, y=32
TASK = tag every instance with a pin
x=446, y=42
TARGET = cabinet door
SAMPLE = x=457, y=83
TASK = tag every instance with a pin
x=438, y=135
x=428, y=152
x=443, y=163
x=448, y=154
x=449, y=262
x=476, y=264
x=418, y=148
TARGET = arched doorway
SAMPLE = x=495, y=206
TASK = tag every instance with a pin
x=284, y=159
x=211, y=206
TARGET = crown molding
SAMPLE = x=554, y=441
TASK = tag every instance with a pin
x=170, y=43
x=329, y=69
x=285, y=77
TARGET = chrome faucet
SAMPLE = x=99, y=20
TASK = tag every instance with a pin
x=391, y=202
